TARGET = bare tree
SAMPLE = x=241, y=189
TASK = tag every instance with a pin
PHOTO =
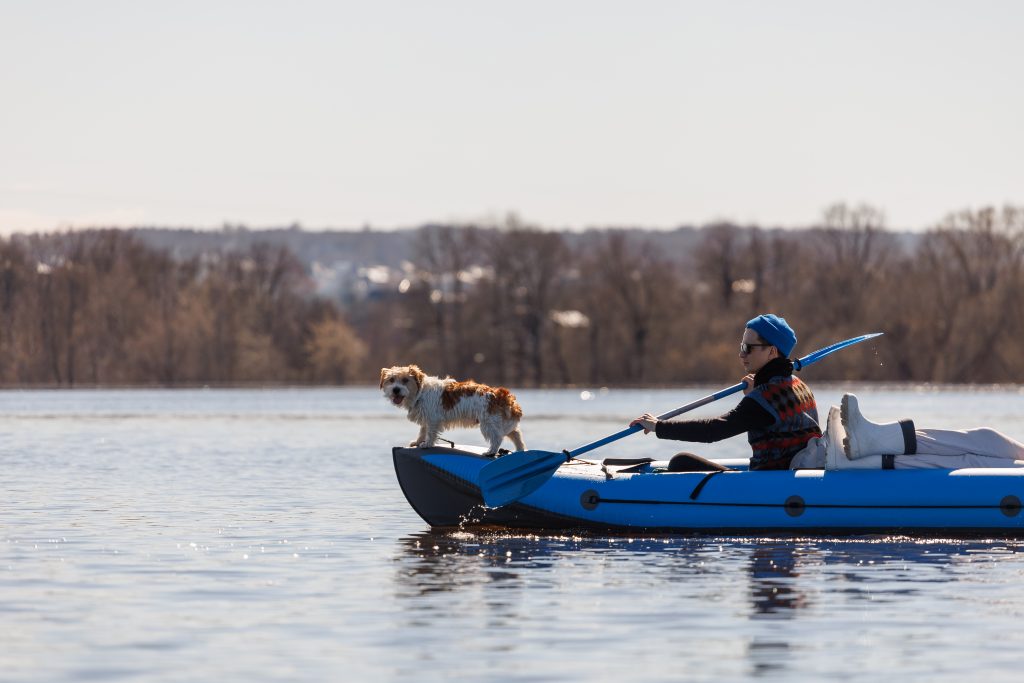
x=640, y=286
x=851, y=251
x=718, y=258
x=528, y=265
x=445, y=255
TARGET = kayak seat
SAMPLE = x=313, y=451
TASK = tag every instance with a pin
x=688, y=462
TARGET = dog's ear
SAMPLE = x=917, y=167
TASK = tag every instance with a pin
x=383, y=376
x=417, y=374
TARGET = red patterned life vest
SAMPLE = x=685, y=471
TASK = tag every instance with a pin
x=792, y=404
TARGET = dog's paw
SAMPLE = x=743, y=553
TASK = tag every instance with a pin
x=414, y=444
x=424, y=444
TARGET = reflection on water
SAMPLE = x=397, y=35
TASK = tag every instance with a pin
x=447, y=561
x=774, y=589
x=496, y=579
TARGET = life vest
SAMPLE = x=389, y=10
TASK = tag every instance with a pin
x=792, y=404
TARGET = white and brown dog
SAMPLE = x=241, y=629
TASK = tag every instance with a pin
x=437, y=404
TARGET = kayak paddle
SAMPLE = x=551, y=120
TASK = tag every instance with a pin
x=510, y=477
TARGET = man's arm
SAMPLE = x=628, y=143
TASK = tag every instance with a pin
x=747, y=415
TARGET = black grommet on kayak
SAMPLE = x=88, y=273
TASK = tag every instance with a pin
x=795, y=506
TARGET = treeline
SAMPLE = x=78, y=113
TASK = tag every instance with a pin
x=516, y=306
x=521, y=306
x=101, y=308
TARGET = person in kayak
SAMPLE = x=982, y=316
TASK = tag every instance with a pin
x=854, y=442
x=778, y=412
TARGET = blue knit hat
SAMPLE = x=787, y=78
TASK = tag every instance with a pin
x=776, y=331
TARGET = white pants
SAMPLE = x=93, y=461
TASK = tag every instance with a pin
x=936, y=448
x=983, y=442
x=953, y=448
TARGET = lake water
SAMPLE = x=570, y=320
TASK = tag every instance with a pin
x=260, y=535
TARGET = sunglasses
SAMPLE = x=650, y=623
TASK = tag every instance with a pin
x=745, y=348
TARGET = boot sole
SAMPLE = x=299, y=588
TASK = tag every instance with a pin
x=844, y=417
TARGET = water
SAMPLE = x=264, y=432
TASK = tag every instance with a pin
x=260, y=535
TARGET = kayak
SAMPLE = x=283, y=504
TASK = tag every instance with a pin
x=630, y=495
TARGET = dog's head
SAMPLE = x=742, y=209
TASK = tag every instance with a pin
x=401, y=384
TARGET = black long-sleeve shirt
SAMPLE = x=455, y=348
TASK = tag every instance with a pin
x=747, y=415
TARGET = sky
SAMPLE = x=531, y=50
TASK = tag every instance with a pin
x=570, y=114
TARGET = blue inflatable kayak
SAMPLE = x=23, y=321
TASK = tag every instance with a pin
x=641, y=495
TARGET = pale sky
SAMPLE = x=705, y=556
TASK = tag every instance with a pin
x=340, y=114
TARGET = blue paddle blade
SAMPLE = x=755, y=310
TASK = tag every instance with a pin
x=810, y=358
x=515, y=475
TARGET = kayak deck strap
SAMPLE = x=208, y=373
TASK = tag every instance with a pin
x=702, y=483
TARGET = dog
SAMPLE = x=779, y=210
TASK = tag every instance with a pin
x=437, y=404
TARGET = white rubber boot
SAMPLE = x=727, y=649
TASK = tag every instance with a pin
x=864, y=438
x=835, y=455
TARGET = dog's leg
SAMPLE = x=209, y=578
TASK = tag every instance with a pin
x=428, y=436
x=517, y=439
x=493, y=434
x=494, y=445
x=421, y=438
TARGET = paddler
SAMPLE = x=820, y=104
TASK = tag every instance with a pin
x=778, y=412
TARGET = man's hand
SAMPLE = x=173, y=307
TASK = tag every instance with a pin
x=647, y=421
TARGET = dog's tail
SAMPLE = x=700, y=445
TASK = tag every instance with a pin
x=504, y=401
